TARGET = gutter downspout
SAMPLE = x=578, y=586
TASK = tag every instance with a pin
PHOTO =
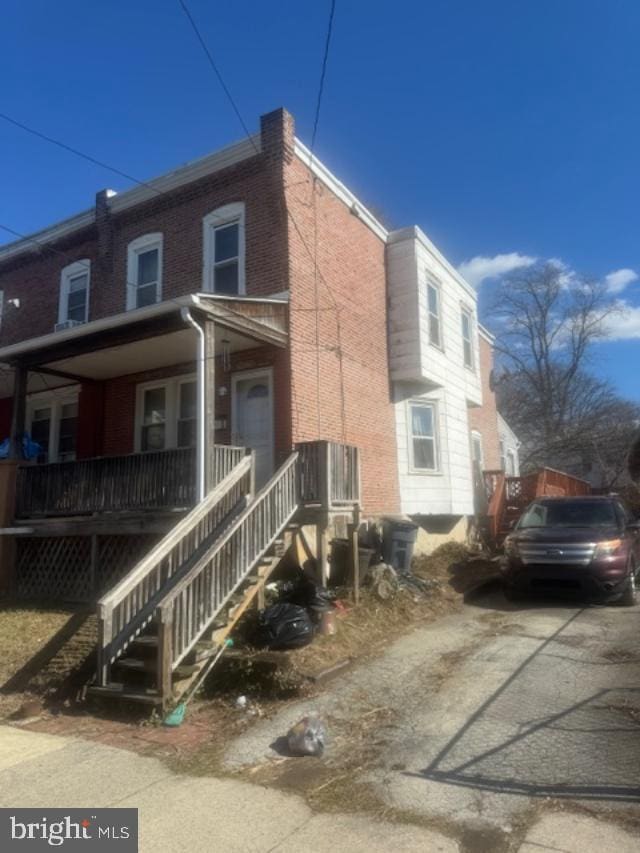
x=185, y=313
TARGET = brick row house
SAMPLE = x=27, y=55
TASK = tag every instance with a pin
x=246, y=300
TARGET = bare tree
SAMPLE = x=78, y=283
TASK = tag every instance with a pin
x=548, y=322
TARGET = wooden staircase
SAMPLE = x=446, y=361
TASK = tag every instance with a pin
x=162, y=627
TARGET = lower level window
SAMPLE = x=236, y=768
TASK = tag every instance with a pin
x=53, y=424
x=423, y=450
x=167, y=414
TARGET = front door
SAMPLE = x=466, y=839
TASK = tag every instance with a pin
x=252, y=418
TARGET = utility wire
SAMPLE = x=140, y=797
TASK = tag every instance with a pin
x=78, y=153
x=325, y=59
x=216, y=70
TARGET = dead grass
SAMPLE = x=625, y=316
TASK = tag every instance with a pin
x=41, y=648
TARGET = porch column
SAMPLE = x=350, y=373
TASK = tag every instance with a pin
x=18, y=414
x=209, y=370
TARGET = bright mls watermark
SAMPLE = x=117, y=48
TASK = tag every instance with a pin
x=28, y=830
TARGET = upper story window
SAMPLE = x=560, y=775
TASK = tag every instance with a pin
x=467, y=337
x=423, y=444
x=433, y=308
x=223, y=246
x=144, y=271
x=73, y=306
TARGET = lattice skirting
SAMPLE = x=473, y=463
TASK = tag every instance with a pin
x=73, y=568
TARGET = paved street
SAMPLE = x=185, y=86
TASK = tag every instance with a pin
x=512, y=728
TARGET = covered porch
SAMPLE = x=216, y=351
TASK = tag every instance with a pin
x=133, y=413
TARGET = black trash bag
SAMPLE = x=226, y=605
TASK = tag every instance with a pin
x=306, y=593
x=284, y=626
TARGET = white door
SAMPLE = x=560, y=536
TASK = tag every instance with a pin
x=252, y=418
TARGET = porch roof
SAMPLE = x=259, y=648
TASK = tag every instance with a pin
x=124, y=343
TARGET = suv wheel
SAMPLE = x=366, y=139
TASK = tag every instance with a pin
x=630, y=595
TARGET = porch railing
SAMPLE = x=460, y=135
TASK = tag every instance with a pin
x=329, y=474
x=200, y=594
x=125, y=610
x=156, y=480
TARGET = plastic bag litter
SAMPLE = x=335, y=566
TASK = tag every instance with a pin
x=307, y=737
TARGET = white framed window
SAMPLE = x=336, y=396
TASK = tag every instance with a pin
x=224, y=250
x=144, y=271
x=422, y=435
x=52, y=421
x=511, y=464
x=75, y=280
x=476, y=448
x=503, y=455
x=166, y=414
x=433, y=312
x=467, y=337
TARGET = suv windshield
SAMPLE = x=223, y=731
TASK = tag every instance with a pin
x=569, y=514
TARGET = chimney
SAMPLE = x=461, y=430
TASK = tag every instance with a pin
x=277, y=130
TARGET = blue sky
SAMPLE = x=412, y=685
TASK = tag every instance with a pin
x=499, y=128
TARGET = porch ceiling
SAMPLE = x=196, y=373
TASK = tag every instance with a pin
x=143, y=340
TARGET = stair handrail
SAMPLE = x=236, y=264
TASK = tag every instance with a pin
x=192, y=605
x=128, y=606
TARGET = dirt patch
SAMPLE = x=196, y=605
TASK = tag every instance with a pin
x=213, y=718
x=41, y=647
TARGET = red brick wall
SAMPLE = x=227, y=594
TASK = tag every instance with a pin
x=34, y=278
x=120, y=399
x=484, y=418
x=340, y=390
x=352, y=392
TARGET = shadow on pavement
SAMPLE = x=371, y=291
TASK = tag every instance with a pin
x=587, y=748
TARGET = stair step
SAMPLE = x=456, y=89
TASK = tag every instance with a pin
x=148, y=666
x=116, y=690
x=146, y=643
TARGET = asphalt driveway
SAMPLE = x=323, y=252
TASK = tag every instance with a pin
x=498, y=715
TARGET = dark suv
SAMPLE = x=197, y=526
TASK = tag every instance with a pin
x=585, y=544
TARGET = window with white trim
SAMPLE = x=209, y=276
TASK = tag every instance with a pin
x=476, y=448
x=166, y=414
x=52, y=422
x=511, y=464
x=223, y=246
x=423, y=444
x=467, y=337
x=503, y=455
x=74, y=292
x=433, y=310
x=144, y=271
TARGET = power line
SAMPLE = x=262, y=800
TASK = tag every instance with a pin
x=323, y=73
x=40, y=135
x=216, y=70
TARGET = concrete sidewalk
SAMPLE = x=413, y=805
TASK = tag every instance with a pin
x=182, y=813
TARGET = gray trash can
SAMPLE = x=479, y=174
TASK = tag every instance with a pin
x=398, y=541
